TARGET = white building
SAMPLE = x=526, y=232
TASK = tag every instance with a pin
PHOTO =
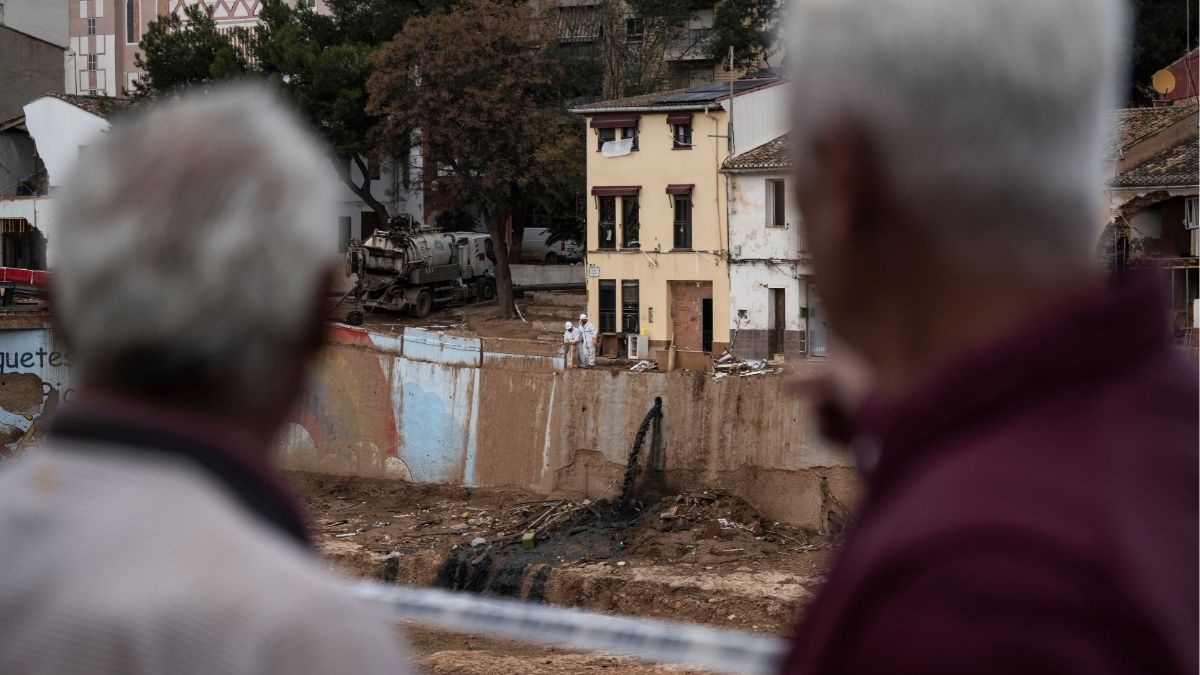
x=773, y=308
x=55, y=128
x=48, y=138
x=402, y=195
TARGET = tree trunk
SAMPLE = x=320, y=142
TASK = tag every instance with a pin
x=363, y=191
x=517, y=230
x=504, y=289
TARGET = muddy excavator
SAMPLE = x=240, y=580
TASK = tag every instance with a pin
x=413, y=269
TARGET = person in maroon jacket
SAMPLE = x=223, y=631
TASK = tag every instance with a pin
x=1028, y=439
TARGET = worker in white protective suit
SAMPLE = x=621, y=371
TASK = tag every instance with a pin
x=587, y=342
x=571, y=342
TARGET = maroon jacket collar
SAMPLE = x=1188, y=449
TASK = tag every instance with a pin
x=104, y=422
x=1069, y=346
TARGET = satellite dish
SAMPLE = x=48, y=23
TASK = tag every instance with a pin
x=1163, y=82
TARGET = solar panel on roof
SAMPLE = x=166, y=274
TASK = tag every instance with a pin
x=710, y=92
x=691, y=97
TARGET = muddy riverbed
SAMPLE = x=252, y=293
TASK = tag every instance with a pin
x=703, y=557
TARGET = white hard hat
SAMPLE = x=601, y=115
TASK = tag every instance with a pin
x=583, y=317
x=568, y=326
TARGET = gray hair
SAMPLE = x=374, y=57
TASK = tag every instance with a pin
x=192, y=242
x=989, y=116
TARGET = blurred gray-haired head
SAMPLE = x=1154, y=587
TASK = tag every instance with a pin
x=989, y=116
x=192, y=244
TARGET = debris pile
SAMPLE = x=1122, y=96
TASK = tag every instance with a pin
x=564, y=531
x=731, y=365
x=707, y=527
x=701, y=555
x=644, y=366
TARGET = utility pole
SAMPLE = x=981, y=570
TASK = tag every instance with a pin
x=729, y=133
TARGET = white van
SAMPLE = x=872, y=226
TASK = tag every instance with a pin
x=535, y=247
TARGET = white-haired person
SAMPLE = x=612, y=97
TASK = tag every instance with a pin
x=151, y=534
x=1027, y=438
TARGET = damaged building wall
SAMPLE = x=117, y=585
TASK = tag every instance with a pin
x=28, y=221
x=34, y=379
x=768, y=269
x=62, y=130
x=430, y=409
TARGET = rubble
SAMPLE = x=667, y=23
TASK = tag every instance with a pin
x=728, y=364
x=644, y=366
x=701, y=527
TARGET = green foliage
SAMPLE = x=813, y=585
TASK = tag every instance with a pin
x=320, y=62
x=321, y=69
x=1160, y=36
x=750, y=27
x=377, y=21
x=177, y=53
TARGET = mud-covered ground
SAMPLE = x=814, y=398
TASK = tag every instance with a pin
x=702, y=557
x=540, y=320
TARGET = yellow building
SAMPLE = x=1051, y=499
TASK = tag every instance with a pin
x=657, y=231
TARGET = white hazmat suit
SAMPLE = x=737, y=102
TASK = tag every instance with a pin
x=587, y=342
x=570, y=342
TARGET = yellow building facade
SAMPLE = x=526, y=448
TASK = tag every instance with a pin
x=656, y=230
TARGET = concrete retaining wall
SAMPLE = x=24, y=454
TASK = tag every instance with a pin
x=498, y=412
x=534, y=276
x=437, y=408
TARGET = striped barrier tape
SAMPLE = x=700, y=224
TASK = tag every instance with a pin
x=646, y=639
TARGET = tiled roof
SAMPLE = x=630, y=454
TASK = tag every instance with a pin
x=776, y=154
x=1176, y=166
x=101, y=106
x=1131, y=125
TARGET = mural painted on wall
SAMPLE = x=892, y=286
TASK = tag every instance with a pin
x=34, y=380
x=344, y=421
x=392, y=406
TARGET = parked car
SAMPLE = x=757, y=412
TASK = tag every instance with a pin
x=536, y=246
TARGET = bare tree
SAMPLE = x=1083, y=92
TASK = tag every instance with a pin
x=632, y=41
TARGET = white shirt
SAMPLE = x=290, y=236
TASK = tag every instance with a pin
x=124, y=563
